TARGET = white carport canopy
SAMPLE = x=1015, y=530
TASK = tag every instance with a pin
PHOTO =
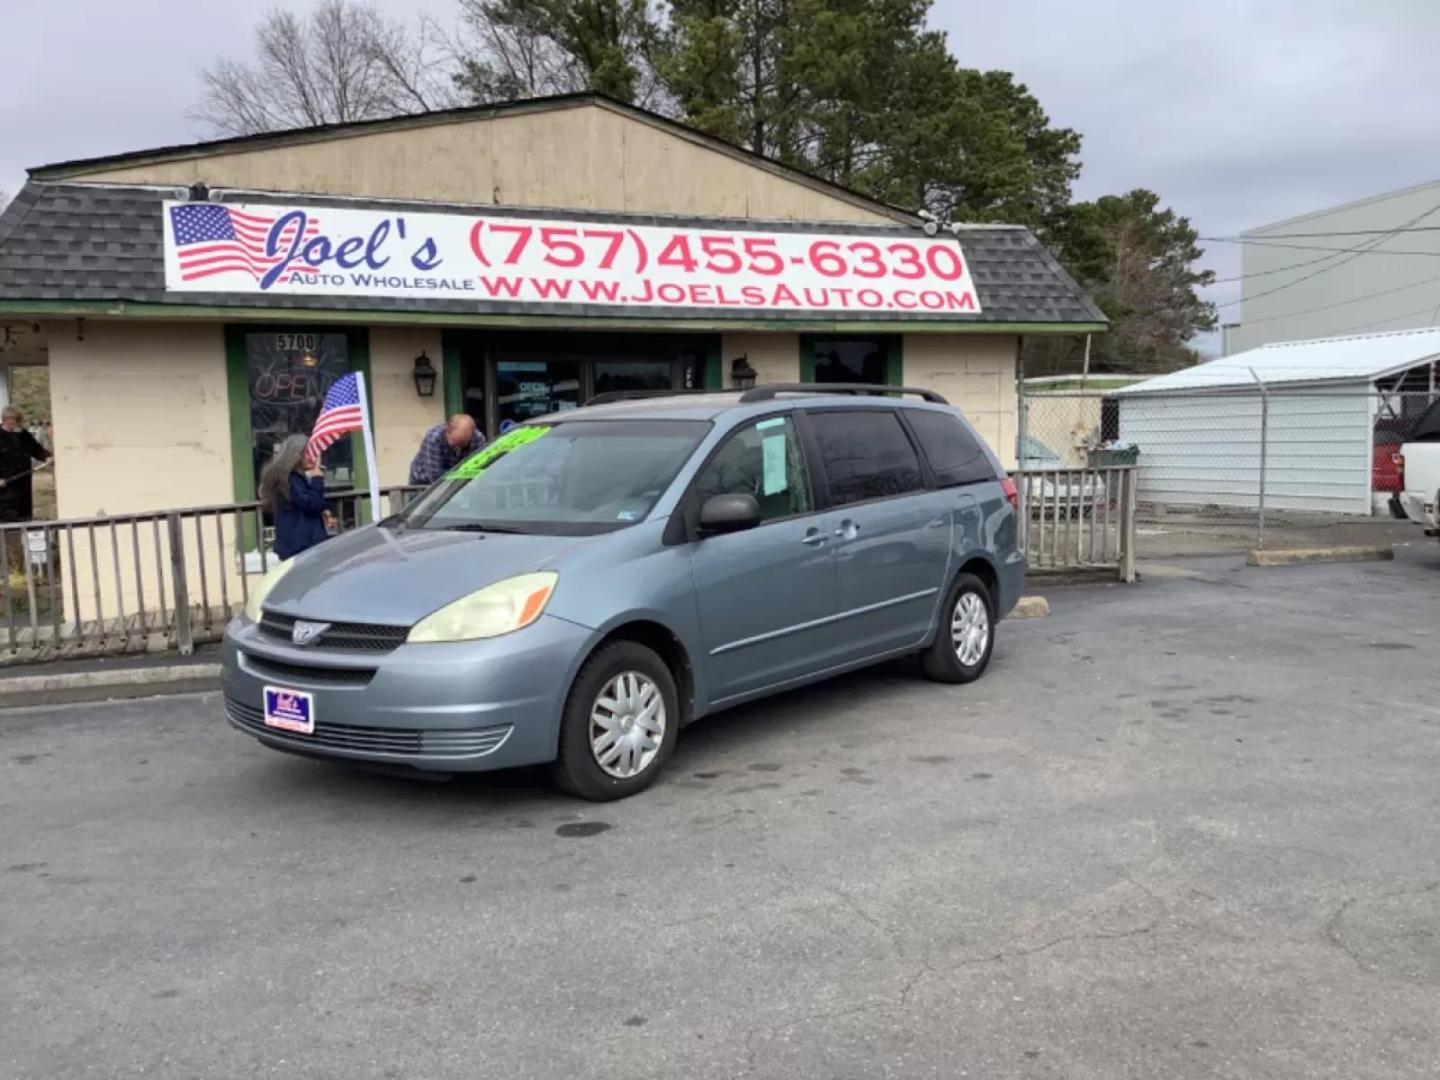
x=1199, y=430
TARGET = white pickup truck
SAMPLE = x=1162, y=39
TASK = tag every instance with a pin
x=1419, y=465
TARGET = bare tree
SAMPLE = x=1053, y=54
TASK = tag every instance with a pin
x=508, y=51
x=345, y=62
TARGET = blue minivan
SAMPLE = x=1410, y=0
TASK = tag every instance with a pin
x=590, y=583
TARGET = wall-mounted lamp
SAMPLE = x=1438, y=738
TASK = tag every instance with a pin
x=741, y=373
x=425, y=375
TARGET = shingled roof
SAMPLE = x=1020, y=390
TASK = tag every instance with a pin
x=93, y=243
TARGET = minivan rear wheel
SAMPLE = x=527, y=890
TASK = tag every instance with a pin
x=966, y=636
x=619, y=725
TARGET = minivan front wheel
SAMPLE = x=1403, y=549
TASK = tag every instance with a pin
x=619, y=725
x=966, y=636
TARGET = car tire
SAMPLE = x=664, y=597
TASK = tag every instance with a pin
x=620, y=682
x=953, y=657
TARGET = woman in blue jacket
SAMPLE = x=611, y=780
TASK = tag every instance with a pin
x=292, y=491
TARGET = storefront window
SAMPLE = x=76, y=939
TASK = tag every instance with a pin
x=525, y=389
x=289, y=373
x=850, y=360
x=633, y=375
x=505, y=379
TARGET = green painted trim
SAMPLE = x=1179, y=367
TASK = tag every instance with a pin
x=714, y=367
x=357, y=349
x=237, y=389
x=454, y=386
x=293, y=316
x=895, y=361
x=807, y=358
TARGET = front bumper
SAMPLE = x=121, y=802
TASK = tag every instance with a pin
x=1420, y=512
x=457, y=707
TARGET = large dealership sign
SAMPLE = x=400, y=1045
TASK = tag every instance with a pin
x=330, y=251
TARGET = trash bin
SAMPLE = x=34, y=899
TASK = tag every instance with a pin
x=1107, y=457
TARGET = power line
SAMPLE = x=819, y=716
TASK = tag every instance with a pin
x=1266, y=273
x=1352, y=254
x=1342, y=303
x=1308, y=235
x=1313, y=247
x=1377, y=322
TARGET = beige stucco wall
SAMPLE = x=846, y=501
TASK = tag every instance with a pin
x=141, y=416
x=401, y=416
x=142, y=423
x=776, y=357
x=586, y=157
x=975, y=373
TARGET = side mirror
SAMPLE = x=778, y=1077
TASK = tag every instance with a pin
x=729, y=513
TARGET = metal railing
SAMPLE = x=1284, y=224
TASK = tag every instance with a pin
x=144, y=582
x=1079, y=518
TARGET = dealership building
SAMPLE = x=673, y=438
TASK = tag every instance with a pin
x=193, y=303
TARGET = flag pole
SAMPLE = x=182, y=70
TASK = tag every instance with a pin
x=372, y=469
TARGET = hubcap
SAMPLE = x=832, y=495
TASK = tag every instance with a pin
x=627, y=725
x=970, y=628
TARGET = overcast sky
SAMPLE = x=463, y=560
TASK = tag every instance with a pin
x=1238, y=112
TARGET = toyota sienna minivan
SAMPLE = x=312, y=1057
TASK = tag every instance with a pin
x=585, y=586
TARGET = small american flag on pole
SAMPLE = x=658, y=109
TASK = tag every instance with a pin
x=213, y=239
x=340, y=415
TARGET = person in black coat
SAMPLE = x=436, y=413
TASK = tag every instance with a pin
x=19, y=453
x=292, y=491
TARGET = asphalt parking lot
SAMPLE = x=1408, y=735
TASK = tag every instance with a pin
x=1184, y=829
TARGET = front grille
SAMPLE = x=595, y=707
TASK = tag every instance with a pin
x=266, y=668
x=462, y=743
x=354, y=637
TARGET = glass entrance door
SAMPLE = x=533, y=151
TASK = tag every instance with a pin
x=289, y=373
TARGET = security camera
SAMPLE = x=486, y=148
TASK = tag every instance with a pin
x=932, y=228
x=926, y=215
x=955, y=228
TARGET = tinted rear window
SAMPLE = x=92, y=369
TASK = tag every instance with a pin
x=954, y=453
x=866, y=455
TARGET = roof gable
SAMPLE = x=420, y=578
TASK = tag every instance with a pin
x=150, y=166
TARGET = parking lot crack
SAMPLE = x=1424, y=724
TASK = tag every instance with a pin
x=1332, y=933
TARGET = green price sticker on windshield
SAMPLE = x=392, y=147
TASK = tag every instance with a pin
x=478, y=462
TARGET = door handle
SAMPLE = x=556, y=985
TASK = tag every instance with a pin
x=814, y=538
x=848, y=530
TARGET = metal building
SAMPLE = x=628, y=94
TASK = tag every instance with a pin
x=1300, y=425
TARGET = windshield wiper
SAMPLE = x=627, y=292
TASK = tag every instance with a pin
x=480, y=527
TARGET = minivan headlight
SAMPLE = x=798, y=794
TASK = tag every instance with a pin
x=262, y=589
x=494, y=610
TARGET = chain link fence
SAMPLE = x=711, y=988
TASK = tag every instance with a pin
x=1238, y=469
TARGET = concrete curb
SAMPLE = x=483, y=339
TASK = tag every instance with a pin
x=71, y=686
x=1031, y=607
x=1356, y=553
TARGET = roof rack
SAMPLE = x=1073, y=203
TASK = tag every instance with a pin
x=609, y=397
x=768, y=393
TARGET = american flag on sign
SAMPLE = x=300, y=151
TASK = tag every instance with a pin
x=213, y=239
x=340, y=415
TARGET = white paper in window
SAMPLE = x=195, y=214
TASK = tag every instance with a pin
x=773, y=447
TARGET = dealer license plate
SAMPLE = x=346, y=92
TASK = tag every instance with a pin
x=291, y=710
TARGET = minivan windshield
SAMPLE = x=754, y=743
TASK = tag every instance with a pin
x=574, y=478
